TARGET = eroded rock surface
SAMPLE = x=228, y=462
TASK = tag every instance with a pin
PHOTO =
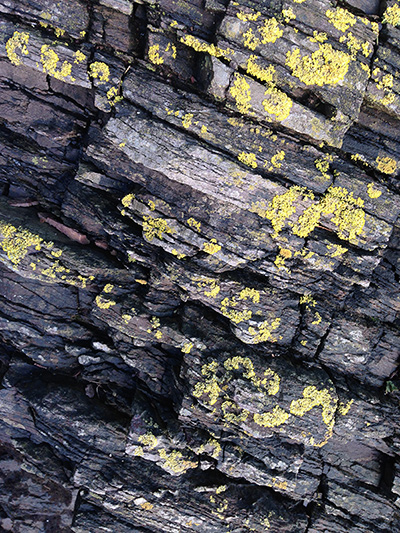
x=200, y=261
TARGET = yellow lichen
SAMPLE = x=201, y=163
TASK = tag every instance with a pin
x=277, y=158
x=211, y=247
x=240, y=90
x=175, y=461
x=266, y=75
x=49, y=59
x=246, y=17
x=154, y=55
x=214, y=289
x=211, y=444
x=288, y=14
x=337, y=250
x=210, y=386
x=386, y=164
x=19, y=40
x=104, y=304
x=312, y=397
x=17, y=241
x=248, y=159
x=341, y=18
x=234, y=363
x=317, y=320
x=200, y=46
x=275, y=418
x=271, y=382
x=127, y=200
x=113, y=95
x=187, y=120
x=372, y=192
x=392, y=15
x=325, y=66
x=99, y=70
x=233, y=314
x=79, y=57
x=271, y=31
x=232, y=414
x=155, y=227
x=108, y=288
x=194, y=223
x=187, y=347
x=281, y=208
x=277, y=103
x=253, y=294
x=264, y=331
x=318, y=37
x=147, y=506
x=344, y=408
x=148, y=440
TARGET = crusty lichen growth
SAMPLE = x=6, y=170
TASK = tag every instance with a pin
x=148, y=440
x=386, y=164
x=211, y=247
x=275, y=418
x=279, y=209
x=155, y=227
x=392, y=15
x=312, y=397
x=264, y=331
x=341, y=18
x=277, y=103
x=17, y=241
x=228, y=309
x=103, y=303
x=175, y=461
x=372, y=192
x=18, y=41
x=325, y=66
x=240, y=90
x=154, y=55
x=100, y=71
x=201, y=46
x=49, y=59
x=248, y=159
x=187, y=347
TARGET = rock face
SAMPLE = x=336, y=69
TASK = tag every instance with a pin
x=199, y=266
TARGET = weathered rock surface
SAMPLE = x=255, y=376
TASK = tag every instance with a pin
x=199, y=266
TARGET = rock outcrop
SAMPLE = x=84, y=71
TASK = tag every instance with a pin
x=199, y=266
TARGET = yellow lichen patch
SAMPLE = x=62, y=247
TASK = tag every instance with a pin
x=392, y=15
x=177, y=254
x=341, y=18
x=250, y=40
x=277, y=103
x=232, y=414
x=281, y=208
x=253, y=294
x=344, y=408
x=211, y=247
x=349, y=217
x=148, y=440
x=108, y=288
x=187, y=347
x=104, y=304
x=234, y=363
x=175, y=461
x=271, y=382
x=211, y=444
x=288, y=14
x=210, y=385
x=203, y=130
x=213, y=290
x=17, y=241
x=264, y=331
x=386, y=164
x=322, y=164
x=99, y=70
x=193, y=223
x=355, y=45
x=200, y=46
x=308, y=300
x=240, y=90
x=271, y=31
x=18, y=41
x=318, y=37
x=372, y=192
x=246, y=17
x=325, y=66
x=79, y=57
x=127, y=200
x=248, y=159
x=275, y=418
x=155, y=227
x=276, y=160
x=147, y=506
x=187, y=120
x=312, y=397
x=113, y=95
x=336, y=250
x=233, y=314
x=317, y=319
x=266, y=75
x=141, y=281
x=171, y=48
x=154, y=55
x=49, y=59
